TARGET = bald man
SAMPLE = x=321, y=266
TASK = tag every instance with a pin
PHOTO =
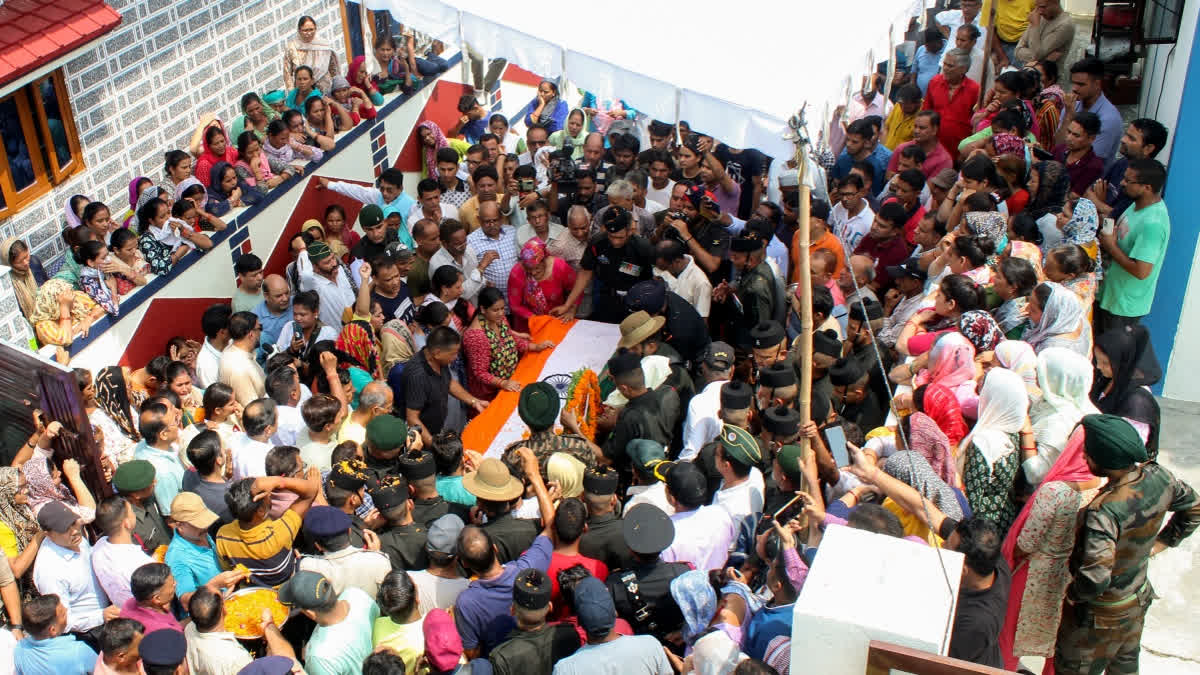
x=274, y=310
x=863, y=269
x=374, y=400
x=593, y=158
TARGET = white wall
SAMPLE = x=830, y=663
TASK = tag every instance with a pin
x=1165, y=68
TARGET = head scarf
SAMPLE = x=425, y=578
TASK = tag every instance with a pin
x=46, y=306
x=697, y=602
x=951, y=362
x=214, y=180
x=1063, y=314
x=547, y=116
x=355, y=339
x=1008, y=144
x=113, y=397
x=1003, y=404
x=990, y=224
x=568, y=471
x=352, y=73
x=1019, y=357
x=940, y=404
x=1134, y=366
x=532, y=254
x=981, y=329
x=912, y=469
x=208, y=157
x=187, y=183
x=18, y=517
x=25, y=286
x=716, y=654
x=1081, y=229
x=578, y=139
x=41, y=486
x=439, y=142
x=72, y=219
x=1053, y=187
x=148, y=194
x=133, y=191
x=927, y=439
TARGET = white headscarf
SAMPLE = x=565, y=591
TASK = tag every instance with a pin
x=1062, y=315
x=1003, y=404
x=716, y=654
x=1066, y=380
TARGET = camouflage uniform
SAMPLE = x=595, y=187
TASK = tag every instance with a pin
x=1109, y=594
x=545, y=443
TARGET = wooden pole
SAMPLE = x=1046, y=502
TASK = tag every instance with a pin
x=806, y=324
x=987, y=51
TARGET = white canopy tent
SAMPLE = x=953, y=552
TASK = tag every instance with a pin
x=734, y=70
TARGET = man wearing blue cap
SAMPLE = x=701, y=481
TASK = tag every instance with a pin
x=344, y=565
x=607, y=652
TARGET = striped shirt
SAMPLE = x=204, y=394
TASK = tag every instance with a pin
x=265, y=548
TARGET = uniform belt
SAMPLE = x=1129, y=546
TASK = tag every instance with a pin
x=1127, y=600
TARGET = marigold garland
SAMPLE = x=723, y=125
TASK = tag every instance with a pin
x=583, y=399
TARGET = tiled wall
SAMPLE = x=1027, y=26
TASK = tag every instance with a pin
x=143, y=88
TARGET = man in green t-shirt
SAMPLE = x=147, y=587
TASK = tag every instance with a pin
x=1135, y=250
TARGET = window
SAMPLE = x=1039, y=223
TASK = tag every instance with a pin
x=39, y=147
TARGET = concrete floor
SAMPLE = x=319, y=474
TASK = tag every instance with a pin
x=1169, y=641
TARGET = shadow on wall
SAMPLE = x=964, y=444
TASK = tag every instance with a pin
x=311, y=206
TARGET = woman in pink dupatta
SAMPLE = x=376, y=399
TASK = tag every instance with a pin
x=537, y=283
x=1037, y=549
x=952, y=365
x=432, y=139
x=927, y=438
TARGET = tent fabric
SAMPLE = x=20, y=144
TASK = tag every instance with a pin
x=736, y=71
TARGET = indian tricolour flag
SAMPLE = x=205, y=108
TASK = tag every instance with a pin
x=579, y=344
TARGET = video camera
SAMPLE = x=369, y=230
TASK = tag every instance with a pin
x=562, y=167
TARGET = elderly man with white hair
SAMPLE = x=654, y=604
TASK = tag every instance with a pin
x=620, y=193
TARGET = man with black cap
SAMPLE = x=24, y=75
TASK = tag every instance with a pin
x=684, y=329
x=63, y=567
x=346, y=489
x=402, y=539
x=769, y=343
x=650, y=414
x=535, y=646
x=607, y=651
x=692, y=221
x=737, y=408
x=852, y=395
x=1110, y=592
x=419, y=469
x=901, y=302
x=862, y=327
x=343, y=564
x=538, y=407
x=650, y=469
x=616, y=261
x=776, y=386
x=827, y=349
x=703, y=533
x=164, y=651
x=753, y=298
x=134, y=480
x=603, y=539
x=703, y=413
x=642, y=592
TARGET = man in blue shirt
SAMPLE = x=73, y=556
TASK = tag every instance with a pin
x=1087, y=94
x=861, y=146
x=927, y=61
x=273, y=312
x=48, y=649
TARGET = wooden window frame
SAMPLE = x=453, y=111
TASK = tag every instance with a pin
x=31, y=111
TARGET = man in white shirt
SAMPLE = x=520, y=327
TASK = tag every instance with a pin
x=215, y=324
x=851, y=218
x=429, y=204
x=903, y=301
x=283, y=386
x=742, y=487
x=683, y=276
x=661, y=185
x=703, y=534
x=494, y=236
x=439, y=584
x=63, y=566
x=948, y=21
x=320, y=271
x=210, y=648
x=342, y=564
x=238, y=368
x=116, y=555
x=456, y=253
x=250, y=448
x=640, y=181
x=704, y=410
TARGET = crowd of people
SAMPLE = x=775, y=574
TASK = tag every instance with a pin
x=979, y=383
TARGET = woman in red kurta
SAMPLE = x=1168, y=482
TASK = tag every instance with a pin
x=493, y=348
x=540, y=282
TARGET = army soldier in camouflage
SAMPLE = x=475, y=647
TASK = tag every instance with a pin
x=1106, y=603
x=538, y=408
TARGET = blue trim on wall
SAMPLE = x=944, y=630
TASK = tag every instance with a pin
x=1182, y=200
x=242, y=221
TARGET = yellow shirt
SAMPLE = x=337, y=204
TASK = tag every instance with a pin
x=8, y=541
x=913, y=527
x=1012, y=17
x=897, y=128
